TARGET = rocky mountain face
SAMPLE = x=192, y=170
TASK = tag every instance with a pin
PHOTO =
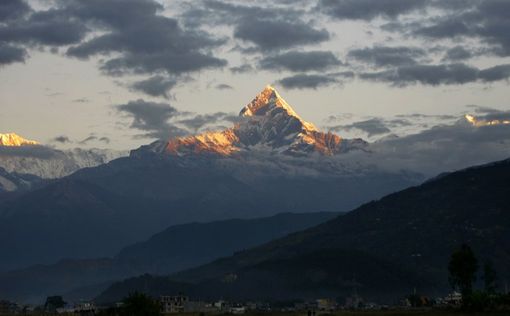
x=385, y=248
x=267, y=122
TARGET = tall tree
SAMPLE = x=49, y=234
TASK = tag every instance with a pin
x=462, y=267
x=138, y=304
x=489, y=278
x=53, y=303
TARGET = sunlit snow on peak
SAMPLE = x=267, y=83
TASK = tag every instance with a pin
x=14, y=140
x=485, y=122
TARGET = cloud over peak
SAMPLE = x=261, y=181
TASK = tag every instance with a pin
x=152, y=118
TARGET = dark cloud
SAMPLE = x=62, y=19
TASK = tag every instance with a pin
x=493, y=115
x=152, y=63
x=156, y=86
x=29, y=151
x=153, y=44
x=368, y=9
x=152, y=118
x=94, y=138
x=454, y=5
x=374, y=126
x=53, y=27
x=132, y=35
x=496, y=26
x=111, y=13
x=446, y=29
x=304, y=81
x=200, y=121
x=483, y=109
x=87, y=140
x=81, y=100
x=242, y=69
x=11, y=54
x=54, y=94
x=215, y=12
x=383, y=56
x=61, y=139
x=266, y=26
x=271, y=35
x=224, y=86
x=338, y=117
x=457, y=53
x=301, y=61
x=13, y=9
x=421, y=115
x=343, y=75
x=439, y=74
x=104, y=139
x=445, y=148
x=484, y=20
x=496, y=73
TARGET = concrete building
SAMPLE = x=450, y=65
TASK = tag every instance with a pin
x=173, y=304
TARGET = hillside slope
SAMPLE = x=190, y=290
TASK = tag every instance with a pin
x=401, y=241
x=176, y=248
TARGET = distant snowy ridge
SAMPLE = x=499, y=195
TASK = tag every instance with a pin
x=49, y=163
x=10, y=182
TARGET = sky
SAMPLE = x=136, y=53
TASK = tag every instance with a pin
x=123, y=73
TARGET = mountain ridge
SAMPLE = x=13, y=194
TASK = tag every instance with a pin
x=268, y=121
x=50, y=163
x=129, y=198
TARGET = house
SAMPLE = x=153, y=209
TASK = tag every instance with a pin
x=237, y=310
x=85, y=308
x=198, y=307
x=354, y=302
x=173, y=304
x=221, y=305
x=326, y=304
x=8, y=308
x=454, y=298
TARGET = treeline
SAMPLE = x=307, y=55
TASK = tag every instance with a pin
x=463, y=269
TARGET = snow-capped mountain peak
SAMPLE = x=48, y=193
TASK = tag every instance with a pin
x=264, y=101
x=14, y=140
x=269, y=101
x=269, y=122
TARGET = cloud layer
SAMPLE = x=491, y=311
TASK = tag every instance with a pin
x=167, y=44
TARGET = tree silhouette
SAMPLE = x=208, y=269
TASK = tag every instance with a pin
x=462, y=267
x=489, y=278
x=54, y=302
x=138, y=304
